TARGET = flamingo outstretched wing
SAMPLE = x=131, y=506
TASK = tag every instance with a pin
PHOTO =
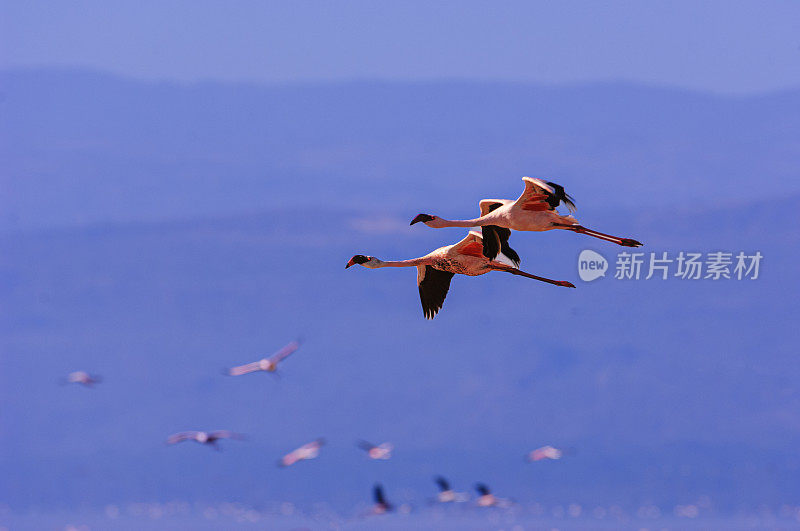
x=434, y=283
x=488, y=205
x=433, y=286
x=225, y=434
x=245, y=369
x=471, y=245
x=541, y=195
x=495, y=238
x=442, y=483
x=182, y=436
x=285, y=352
x=378, y=496
x=364, y=445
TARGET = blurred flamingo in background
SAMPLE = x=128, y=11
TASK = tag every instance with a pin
x=267, y=364
x=307, y=451
x=381, y=505
x=83, y=378
x=485, y=496
x=446, y=493
x=203, y=437
x=487, y=499
x=381, y=451
x=546, y=452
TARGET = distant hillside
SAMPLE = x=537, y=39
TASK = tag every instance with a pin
x=82, y=147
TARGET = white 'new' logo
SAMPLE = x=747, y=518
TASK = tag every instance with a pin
x=591, y=265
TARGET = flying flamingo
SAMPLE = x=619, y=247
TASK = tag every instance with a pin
x=547, y=452
x=436, y=269
x=381, y=505
x=267, y=364
x=381, y=451
x=487, y=499
x=307, y=451
x=446, y=493
x=534, y=210
x=83, y=378
x=204, y=437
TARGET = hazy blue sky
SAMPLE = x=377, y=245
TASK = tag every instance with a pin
x=154, y=234
x=723, y=46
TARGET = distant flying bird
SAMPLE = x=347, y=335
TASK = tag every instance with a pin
x=307, y=451
x=534, y=210
x=436, y=269
x=381, y=451
x=381, y=505
x=545, y=452
x=83, y=378
x=486, y=498
x=446, y=493
x=203, y=437
x=267, y=364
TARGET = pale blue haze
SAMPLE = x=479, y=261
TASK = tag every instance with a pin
x=183, y=183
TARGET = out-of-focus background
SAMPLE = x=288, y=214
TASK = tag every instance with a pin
x=182, y=184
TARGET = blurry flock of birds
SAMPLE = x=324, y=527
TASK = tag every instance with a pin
x=311, y=450
x=478, y=253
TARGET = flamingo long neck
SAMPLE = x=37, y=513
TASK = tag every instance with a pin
x=413, y=262
x=477, y=222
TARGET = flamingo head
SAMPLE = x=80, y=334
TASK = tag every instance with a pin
x=360, y=259
x=427, y=219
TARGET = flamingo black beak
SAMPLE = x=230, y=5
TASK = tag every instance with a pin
x=421, y=217
x=358, y=259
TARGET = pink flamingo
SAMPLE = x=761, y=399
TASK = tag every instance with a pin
x=546, y=452
x=204, y=437
x=381, y=506
x=307, y=451
x=83, y=378
x=267, y=364
x=487, y=499
x=436, y=269
x=534, y=210
x=376, y=451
